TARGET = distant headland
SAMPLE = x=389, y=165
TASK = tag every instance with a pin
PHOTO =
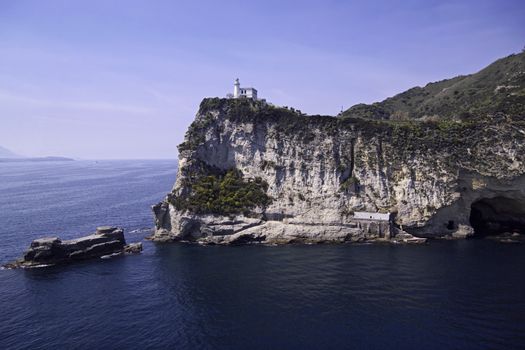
x=36, y=159
x=6, y=155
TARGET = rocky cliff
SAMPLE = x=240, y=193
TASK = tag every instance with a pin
x=249, y=172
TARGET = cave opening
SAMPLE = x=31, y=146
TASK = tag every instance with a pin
x=498, y=215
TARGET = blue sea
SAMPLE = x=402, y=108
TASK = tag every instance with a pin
x=442, y=295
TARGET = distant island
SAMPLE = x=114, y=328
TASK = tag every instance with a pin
x=6, y=155
x=36, y=159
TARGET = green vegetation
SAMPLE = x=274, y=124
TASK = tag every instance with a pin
x=223, y=194
x=349, y=184
x=195, y=134
x=286, y=120
x=500, y=87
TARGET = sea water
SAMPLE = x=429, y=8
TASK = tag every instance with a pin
x=442, y=295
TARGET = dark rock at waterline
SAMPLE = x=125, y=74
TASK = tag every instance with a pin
x=133, y=248
x=106, y=241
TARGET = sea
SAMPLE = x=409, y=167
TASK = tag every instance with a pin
x=467, y=294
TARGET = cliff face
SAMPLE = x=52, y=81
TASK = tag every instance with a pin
x=252, y=172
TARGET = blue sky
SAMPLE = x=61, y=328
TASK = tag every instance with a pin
x=123, y=79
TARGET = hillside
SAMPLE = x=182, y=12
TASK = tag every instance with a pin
x=500, y=87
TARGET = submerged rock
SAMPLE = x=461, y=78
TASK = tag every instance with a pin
x=133, y=248
x=106, y=241
x=508, y=237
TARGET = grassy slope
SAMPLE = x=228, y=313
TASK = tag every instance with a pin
x=500, y=87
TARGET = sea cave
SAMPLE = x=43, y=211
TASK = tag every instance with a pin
x=498, y=215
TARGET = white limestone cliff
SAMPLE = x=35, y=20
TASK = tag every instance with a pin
x=319, y=170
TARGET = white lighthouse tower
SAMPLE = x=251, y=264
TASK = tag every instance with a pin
x=243, y=92
x=236, y=88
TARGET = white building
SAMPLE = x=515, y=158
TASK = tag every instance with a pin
x=364, y=215
x=243, y=92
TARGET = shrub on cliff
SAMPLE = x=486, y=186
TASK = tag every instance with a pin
x=223, y=194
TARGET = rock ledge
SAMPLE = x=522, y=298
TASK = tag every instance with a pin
x=47, y=251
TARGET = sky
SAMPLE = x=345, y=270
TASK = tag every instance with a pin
x=123, y=79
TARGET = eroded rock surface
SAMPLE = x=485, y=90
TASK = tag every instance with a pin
x=308, y=174
x=107, y=241
x=319, y=170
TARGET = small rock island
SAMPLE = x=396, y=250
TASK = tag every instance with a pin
x=107, y=241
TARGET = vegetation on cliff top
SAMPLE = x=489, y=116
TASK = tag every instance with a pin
x=448, y=112
x=223, y=194
x=500, y=87
x=457, y=140
x=287, y=120
x=407, y=137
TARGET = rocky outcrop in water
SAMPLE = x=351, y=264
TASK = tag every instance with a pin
x=106, y=242
x=250, y=172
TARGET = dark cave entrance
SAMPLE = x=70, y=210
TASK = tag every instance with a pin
x=494, y=216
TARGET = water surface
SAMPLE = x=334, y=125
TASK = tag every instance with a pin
x=463, y=295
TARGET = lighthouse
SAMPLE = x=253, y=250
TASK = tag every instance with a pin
x=243, y=92
x=236, y=88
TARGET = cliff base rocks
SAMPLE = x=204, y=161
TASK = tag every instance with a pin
x=236, y=230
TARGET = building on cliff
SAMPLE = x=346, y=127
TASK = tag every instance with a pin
x=244, y=92
x=363, y=215
x=380, y=224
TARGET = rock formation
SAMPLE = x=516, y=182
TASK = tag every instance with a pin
x=107, y=241
x=252, y=172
